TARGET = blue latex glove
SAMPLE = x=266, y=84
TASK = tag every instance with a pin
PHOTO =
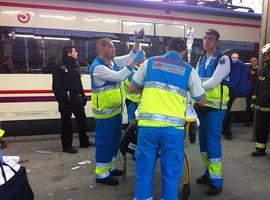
x=139, y=56
x=139, y=36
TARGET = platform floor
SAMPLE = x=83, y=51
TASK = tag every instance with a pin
x=52, y=177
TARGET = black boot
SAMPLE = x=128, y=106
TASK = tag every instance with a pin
x=108, y=181
x=258, y=152
x=70, y=150
x=213, y=190
x=117, y=172
x=202, y=180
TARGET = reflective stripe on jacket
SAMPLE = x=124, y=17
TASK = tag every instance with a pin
x=164, y=95
x=106, y=100
x=219, y=96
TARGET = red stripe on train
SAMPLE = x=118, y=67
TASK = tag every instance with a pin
x=87, y=10
x=31, y=91
x=30, y=99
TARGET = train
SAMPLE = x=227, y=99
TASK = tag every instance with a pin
x=34, y=32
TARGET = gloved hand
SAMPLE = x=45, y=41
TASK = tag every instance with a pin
x=253, y=102
x=139, y=56
x=139, y=36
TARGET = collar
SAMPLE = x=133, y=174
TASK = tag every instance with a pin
x=173, y=54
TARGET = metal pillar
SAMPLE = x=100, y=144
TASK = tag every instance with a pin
x=265, y=27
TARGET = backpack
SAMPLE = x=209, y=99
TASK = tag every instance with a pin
x=237, y=80
x=128, y=143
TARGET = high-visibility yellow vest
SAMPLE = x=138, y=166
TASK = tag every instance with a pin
x=219, y=96
x=164, y=96
x=106, y=100
x=129, y=95
x=216, y=99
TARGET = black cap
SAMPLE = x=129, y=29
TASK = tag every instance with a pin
x=213, y=32
x=177, y=44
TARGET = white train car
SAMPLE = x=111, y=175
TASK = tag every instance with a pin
x=33, y=32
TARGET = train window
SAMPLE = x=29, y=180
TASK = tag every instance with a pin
x=39, y=50
x=36, y=50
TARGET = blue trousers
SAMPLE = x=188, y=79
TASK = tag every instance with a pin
x=131, y=108
x=170, y=141
x=210, y=144
x=107, y=138
x=1, y=156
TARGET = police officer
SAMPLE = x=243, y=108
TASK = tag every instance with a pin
x=68, y=91
x=165, y=81
x=261, y=103
x=213, y=67
x=107, y=72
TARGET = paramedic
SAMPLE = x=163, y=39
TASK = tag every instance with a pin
x=212, y=69
x=107, y=72
x=165, y=81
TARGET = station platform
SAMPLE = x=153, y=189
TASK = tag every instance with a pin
x=55, y=175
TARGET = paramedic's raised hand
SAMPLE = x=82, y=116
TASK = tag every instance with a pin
x=139, y=36
x=138, y=58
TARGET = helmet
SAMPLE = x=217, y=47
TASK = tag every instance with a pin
x=266, y=48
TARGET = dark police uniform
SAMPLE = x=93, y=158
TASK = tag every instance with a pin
x=68, y=90
x=261, y=103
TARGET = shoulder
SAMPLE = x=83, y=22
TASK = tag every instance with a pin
x=61, y=67
x=193, y=73
x=223, y=60
x=98, y=68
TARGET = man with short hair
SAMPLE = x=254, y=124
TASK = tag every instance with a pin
x=69, y=93
x=213, y=67
x=107, y=72
x=164, y=81
x=252, y=76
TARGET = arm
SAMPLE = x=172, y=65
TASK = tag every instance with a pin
x=222, y=70
x=106, y=74
x=253, y=103
x=122, y=61
x=139, y=79
x=57, y=87
x=257, y=84
x=195, y=88
x=83, y=97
